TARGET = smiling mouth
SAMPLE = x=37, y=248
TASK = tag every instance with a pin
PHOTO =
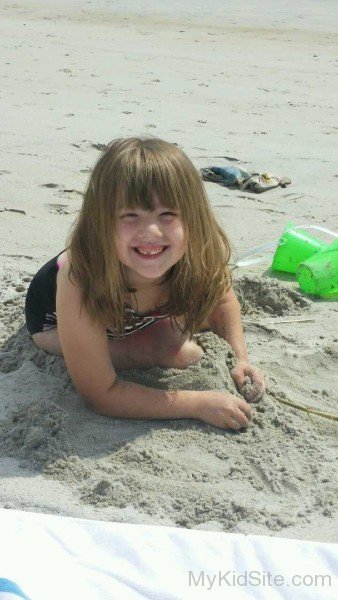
x=153, y=252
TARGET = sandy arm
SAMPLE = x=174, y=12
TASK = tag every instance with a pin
x=225, y=320
x=133, y=401
x=129, y=400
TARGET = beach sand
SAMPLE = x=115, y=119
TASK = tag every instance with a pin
x=243, y=86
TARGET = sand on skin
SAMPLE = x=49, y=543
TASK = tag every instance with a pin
x=268, y=110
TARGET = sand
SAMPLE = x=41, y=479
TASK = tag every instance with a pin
x=231, y=85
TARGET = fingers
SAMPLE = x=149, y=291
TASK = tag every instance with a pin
x=254, y=386
x=257, y=377
x=233, y=424
x=257, y=391
x=241, y=416
x=238, y=422
x=258, y=386
x=226, y=411
x=249, y=381
x=245, y=408
x=238, y=377
x=254, y=392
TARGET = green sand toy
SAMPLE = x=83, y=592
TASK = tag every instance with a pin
x=295, y=246
x=319, y=274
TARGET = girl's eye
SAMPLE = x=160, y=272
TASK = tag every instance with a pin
x=128, y=215
x=168, y=213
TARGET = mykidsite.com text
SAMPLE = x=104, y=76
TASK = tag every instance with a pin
x=228, y=579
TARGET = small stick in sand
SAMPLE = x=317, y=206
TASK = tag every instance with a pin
x=307, y=409
x=302, y=320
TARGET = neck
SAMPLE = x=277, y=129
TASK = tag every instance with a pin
x=144, y=286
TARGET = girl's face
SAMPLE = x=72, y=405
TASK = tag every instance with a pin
x=149, y=243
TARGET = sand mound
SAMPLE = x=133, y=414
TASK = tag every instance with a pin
x=36, y=433
x=258, y=295
x=208, y=374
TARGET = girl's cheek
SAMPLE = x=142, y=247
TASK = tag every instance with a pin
x=180, y=233
x=177, y=227
x=125, y=230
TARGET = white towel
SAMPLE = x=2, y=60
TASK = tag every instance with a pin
x=53, y=558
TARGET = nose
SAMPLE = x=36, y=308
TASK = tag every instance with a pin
x=149, y=227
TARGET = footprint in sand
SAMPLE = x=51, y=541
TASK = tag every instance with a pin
x=60, y=209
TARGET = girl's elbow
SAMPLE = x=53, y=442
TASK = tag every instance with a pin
x=97, y=406
x=100, y=402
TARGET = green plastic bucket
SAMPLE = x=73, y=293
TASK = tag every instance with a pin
x=295, y=246
x=319, y=274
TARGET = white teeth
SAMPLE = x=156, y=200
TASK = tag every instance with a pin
x=150, y=251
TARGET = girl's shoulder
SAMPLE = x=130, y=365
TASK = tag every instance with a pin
x=63, y=268
x=68, y=293
x=62, y=260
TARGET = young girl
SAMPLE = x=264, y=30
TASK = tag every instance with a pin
x=145, y=268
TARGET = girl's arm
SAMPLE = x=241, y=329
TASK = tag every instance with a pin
x=133, y=401
x=225, y=320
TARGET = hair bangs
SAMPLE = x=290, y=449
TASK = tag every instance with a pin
x=148, y=174
x=166, y=184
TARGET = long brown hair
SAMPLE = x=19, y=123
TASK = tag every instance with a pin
x=127, y=173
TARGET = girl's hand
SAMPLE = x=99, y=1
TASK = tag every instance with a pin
x=249, y=381
x=223, y=410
